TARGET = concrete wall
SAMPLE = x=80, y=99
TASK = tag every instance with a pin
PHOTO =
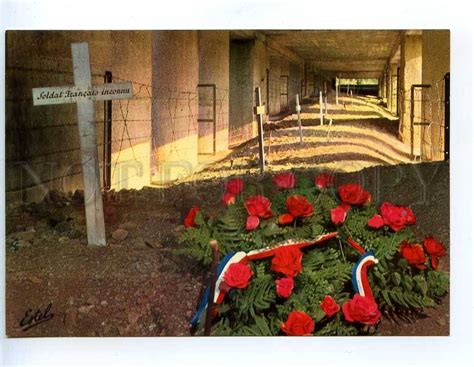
x=241, y=119
x=248, y=68
x=284, y=76
x=261, y=63
x=175, y=76
x=131, y=126
x=42, y=142
x=435, y=65
x=294, y=87
x=392, y=97
x=411, y=66
x=274, y=83
x=214, y=69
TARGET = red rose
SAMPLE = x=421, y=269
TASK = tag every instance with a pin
x=238, y=275
x=414, y=254
x=329, y=306
x=324, y=180
x=361, y=309
x=228, y=198
x=190, y=220
x=376, y=221
x=284, y=180
x=338, y=214
x=298, y=323
x=284, y=287
x=352, y=193
x=258, y=206
x=235, y=186
x=410, y=217
x=435, y=249
x=299, y=206
x=396, y=217
x=285, y=219
x=287, y=260
x=252, y=222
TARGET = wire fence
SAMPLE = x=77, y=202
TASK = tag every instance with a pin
x=426, y=110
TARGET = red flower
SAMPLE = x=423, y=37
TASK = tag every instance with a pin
x=298, y=323
x=414, y=254
x=285, y=219
x=361, y=309
x=396, y=217
x=284, y=287
x=435, y=249
x=284, y=180
x=235, y=186
x=338, y=214
x=376, y=221
x=258, y=206
x=329, y=306
x=228, y=198
x=190, y=220
x=352, y=193
x=287, y=260
x=238, y=275
x=410, y=217
x=252, y=222
x=299, y=206
x=324, y=180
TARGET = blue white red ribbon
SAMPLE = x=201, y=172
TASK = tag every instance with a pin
x=242, y=257
x=360, y=280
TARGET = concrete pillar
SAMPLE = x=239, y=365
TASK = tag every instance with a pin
x=175, y=77
x=411, y=73
x=392, y=97
x=248, y=67
x=213, y=69
x=435, y=64
x=275, y=72
x=383, y=89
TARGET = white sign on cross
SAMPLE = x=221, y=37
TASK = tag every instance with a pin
x=83, y=93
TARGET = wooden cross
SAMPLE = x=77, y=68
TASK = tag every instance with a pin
x=83, y=93
x=298, y=111
x=321, y=115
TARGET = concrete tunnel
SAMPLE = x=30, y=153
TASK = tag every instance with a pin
x=194, y=95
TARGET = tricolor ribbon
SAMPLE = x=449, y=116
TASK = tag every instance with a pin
x=360, y=280
x=243, y=257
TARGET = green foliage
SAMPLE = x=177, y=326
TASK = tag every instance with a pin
x=257, y=310
x=438, y=284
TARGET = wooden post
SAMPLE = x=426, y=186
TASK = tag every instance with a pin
x=447, y=112
x=83, y=93
x=352, y=99
x=298, y=110
x=321, y=117
x=337, y=91
x=260, y=111
x=212, y=287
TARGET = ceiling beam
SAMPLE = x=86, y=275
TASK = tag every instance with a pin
x=275, y=47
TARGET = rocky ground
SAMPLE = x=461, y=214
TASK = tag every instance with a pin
x=134, y=286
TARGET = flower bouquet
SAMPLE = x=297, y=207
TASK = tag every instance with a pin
x=299, y=256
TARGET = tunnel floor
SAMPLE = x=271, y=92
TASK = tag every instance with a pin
x=356, y=134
